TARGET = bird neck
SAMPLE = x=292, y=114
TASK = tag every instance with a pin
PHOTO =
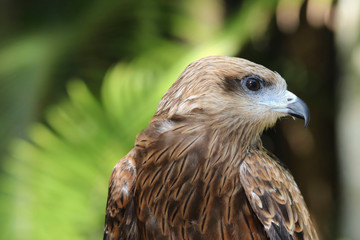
x=236, y=131
x=227, y=131
x=223, y=146
x=229, y=139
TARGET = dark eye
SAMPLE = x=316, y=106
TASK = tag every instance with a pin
x=253, y=84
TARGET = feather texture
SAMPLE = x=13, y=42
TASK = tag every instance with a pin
x=275, y=197
x=200, y=172
x=121, y=221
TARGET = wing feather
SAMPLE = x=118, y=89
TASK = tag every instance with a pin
x=275, y=198
x=120, y=218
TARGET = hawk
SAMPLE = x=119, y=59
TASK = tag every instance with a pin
x=199, y=170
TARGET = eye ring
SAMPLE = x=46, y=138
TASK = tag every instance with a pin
x=252, y=83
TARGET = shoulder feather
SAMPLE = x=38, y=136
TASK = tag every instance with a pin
x=275, y=198
x=120, y=219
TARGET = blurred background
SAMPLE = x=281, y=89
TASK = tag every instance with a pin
x=79, y=79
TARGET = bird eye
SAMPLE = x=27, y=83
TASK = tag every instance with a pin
x=253, y=84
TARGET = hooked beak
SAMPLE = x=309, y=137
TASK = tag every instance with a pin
x=298, y=109
x=295, y=107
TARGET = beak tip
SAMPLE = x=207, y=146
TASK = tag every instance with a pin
x=299, y=109
x=306, y=116
x=307, y=120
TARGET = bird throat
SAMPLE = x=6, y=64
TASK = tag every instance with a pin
x=221, y=141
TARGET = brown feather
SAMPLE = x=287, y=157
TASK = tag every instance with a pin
x=120, y=220
x=275, y=197
x=184, y=197
x=199, y=172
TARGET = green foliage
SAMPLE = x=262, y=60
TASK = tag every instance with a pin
x=54, y=186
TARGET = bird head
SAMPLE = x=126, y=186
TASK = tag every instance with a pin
x=232, y=93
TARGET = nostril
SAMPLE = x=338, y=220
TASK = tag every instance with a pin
x=290, y=99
